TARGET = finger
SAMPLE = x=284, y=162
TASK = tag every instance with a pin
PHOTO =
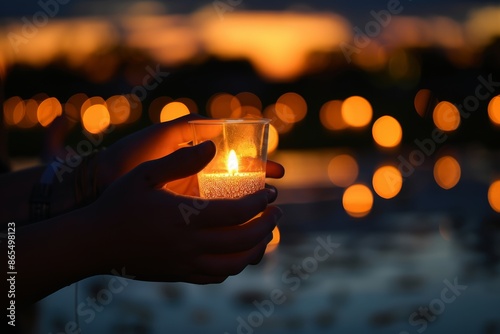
x=181, y=163
x=227, y=212
x=273, y=191
x=240, y=238
x=229, y=264
x=274, y=170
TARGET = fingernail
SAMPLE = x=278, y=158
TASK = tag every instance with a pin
x=272, y=194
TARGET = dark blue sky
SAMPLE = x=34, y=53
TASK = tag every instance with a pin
x=354, y=10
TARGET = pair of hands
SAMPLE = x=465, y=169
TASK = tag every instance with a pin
x=151, y=224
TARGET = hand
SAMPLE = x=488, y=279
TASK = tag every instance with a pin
x=161, y=236
x=153, y=143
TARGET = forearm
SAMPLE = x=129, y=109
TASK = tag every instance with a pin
x=52, y=254
x=16, y=190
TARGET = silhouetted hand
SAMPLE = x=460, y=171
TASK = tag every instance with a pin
x=158, y=235
x=151, y=143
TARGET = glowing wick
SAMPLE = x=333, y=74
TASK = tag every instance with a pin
x=232, y=163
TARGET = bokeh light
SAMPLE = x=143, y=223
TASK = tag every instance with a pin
x=343, y=170
x=172, y=111
x=273, y=139
x=330, y=115
x=494, y=110
x=494, y=195
x=387, y=181
x=387, y=132
x=447, y=172
x=30, y=118
x=279, y=125
x=424, y=102
x=357, y=111
x=357, y=200
x=91, y=101
x=14, y=110
x=156, y=106
x=96, y=118
x=246, y=104
x=271, y=246
x=222, y=105
x=291, y=107
x=48, y=110
x=135, y=107
x=189, y=103
x=73, y=106
x=118, y=108
x=446, y=116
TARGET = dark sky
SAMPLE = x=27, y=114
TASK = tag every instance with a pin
x=354, y=10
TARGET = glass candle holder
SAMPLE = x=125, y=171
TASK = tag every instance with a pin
x=239, y=165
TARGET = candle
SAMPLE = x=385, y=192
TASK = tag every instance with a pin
x=231, y=184
x=239, y=165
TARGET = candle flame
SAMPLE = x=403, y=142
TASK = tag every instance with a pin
x=232, y=163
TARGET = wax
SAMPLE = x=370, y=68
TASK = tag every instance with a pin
x=226, y=185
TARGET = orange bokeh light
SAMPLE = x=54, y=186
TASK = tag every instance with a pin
x=273, y=139
x=387, y=132
x=280, y=126
x=447, y=172
x=275, y=242
x=494, y=195
x=291, y=108
x=73, y=106
x=14, y=110
x=357, y=111
x=172, y=111
x=343, y=170
x=119, y=109
x=424, y=102
x=357, y=200
x=446, y=116
x=494, y=110
x=96, y=118
x=48, y=110
x=330, y=115
x=387, y=181
x=222, y=105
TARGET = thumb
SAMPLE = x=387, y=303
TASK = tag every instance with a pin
x=182, y=163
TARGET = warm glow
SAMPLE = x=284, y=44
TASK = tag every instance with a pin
x=156, y=106
x=494, y=196
x=387, y=132
x=48, y=110
x=222, y=105
x=330, y=115
x=273, y=139
x=73, y=107
x=13, y=110
x=279, y=45
x=494, y=110
x=172, y=111
x=96, y=118
x=387, y=181
x=30, y=118
x=279, y=125
x=291, y=108
x=343, y=170
x=135, y=107
x=90, y=102
x=357, y=200
x=119, y=109
x=275, y=242
x=357, y=111
x=424, y=102
x=446, y=116
x=232, y=163
x=447, y=172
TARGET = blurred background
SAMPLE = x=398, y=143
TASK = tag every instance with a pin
x=385, y=114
